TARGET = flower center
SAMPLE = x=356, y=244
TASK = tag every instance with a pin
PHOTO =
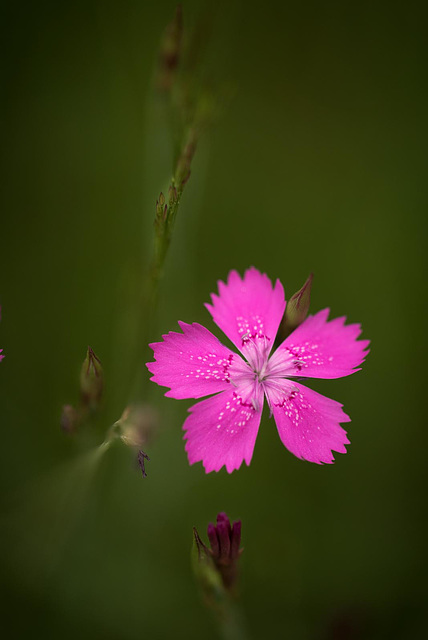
x=263, y=373
x=257, y=355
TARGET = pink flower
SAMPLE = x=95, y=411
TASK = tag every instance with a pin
x=222, y=430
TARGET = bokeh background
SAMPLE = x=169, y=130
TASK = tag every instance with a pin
x=317, y=162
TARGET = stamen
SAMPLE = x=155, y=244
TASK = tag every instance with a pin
x=257, y=351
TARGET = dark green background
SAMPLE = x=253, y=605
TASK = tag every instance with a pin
x=317, y=163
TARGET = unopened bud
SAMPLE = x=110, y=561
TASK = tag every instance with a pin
x=160, y=206
x=172, y=192
x=169, y=53
x=69, y=419
x=182, y=173
x=218, y=567
x=297, y=308
x=91, y=380
x=225, y=540
x=161, y=214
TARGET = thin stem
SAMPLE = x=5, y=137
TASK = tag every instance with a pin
x=232, y=624
x=185, y=102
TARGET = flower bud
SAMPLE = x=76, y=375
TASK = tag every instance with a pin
x=91, y=380
x=297, y=308
x=182, y=172
x=225, y=540
x=69, y=419
x=161, y=215
x=169, y=54
x=161, y=200
x=161, y=208
x=222, y=558
x=172, y=192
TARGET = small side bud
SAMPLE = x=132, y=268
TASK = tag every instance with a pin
x=69, y=419
x=182, y=173
x=161, y=214
x=91, y=380
x=297, y=308
x=170, y=49
x=172, y=193
x=160, y=206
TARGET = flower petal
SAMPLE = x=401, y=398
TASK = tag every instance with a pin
x=193, y=363
x=320, y=349
x=222, y=430
x=248, y=309
x=307, y=422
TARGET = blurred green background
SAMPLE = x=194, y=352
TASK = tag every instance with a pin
x=317, y=163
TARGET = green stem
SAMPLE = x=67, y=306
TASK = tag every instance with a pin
x=149, y=298
x=232, y=624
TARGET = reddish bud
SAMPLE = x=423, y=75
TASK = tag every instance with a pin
x=69, y=419
x=225, y=541
x=172, y=192
x=91, y=380
x=182, y=172
x=170, y=49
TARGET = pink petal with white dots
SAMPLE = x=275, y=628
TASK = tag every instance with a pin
x=320, y=349
x=308, y=423
x=248, y=310
x=193, y=363
x=221, y=431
